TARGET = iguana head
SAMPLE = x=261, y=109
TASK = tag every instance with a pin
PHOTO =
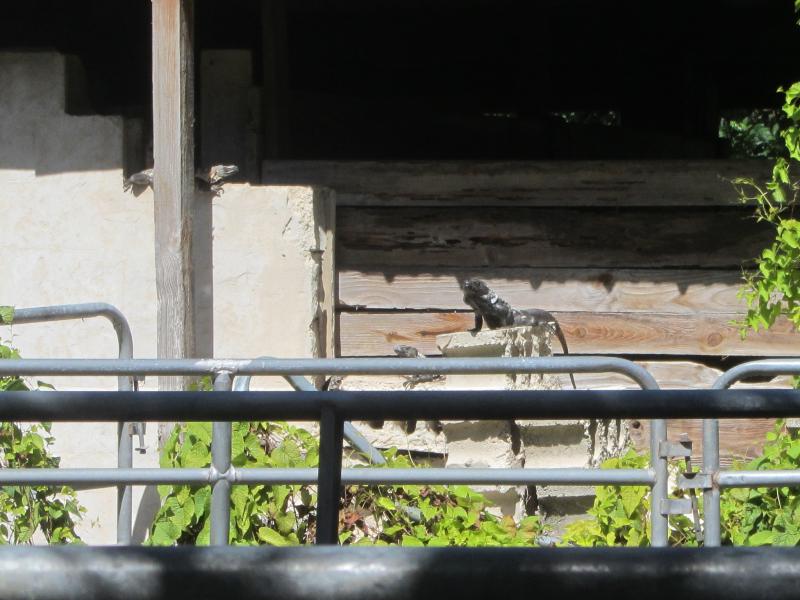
x=475, y=286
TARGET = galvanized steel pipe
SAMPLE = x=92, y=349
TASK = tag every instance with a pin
x=44, y=314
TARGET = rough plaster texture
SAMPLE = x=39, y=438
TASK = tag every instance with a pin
x=72, y=235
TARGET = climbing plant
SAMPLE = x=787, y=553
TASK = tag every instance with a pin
x=620, y=516
x=28, y=511
x=773, y=288
x=280, y=515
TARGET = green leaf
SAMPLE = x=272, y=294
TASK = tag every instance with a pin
x=199, y=455
x=204, y=537
x=411, y=541
x=384, y=502
x=794, y=451
x=272, y=537
x=762, y=538
x=631, y=498
x=6, y=314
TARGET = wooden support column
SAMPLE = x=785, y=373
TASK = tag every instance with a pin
x=174, y=187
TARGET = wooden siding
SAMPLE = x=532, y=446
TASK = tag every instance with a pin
x=634, y=259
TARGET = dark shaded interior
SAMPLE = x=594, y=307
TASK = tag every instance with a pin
x=458, y=79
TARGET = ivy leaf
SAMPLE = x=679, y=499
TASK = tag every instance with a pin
x=199, y=455
x=272, y=537
x=384, y=502
x=411, y=541
x=762, y=538
x=631, y=498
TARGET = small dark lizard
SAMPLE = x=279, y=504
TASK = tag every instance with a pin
x=412, y=380
x=496, y=312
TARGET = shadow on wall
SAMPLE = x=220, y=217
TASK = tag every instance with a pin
x=37, y=134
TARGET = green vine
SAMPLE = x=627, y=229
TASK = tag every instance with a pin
x=26, y=511
x=280, y=515
x=750, y=517
x=621, y=515
x=773, y=289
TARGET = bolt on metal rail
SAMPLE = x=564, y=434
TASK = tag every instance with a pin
x=332, y=409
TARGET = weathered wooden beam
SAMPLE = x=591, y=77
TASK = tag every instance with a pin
x=174, y=186
x=686, y=291
x=375, y=334
x=551, y=183
x=377, y=239
x=325, y=215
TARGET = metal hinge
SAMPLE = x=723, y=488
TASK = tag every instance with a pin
x=138, y=429
x=680, y=449
x=696, y=480
x=676, y=506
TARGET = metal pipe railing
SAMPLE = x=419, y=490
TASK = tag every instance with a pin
x=86, y=478
x=66, y=312
x=331, y=408
x=711, y=494
x=283, y=367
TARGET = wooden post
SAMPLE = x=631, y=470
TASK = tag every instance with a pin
x=328, y=285
x=174, y=187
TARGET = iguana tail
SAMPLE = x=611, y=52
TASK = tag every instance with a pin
x=560, y=336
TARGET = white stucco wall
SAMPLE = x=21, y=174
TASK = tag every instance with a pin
x=71, y=234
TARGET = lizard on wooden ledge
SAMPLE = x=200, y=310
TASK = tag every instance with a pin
x=496, y=312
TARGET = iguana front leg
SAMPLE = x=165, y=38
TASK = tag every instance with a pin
x=478, y=323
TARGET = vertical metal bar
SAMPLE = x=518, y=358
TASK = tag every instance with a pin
x=711, y=497
x=329, y=490
x=221, y=463
x=659, y=522
x=124, y=450
x=124, y=492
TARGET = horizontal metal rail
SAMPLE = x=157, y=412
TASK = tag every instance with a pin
x=309, y=476
x=353, y=573
x=755, y=479
x=336, y=366
x=418, y=404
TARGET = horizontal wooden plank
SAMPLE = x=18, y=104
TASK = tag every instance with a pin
x=376, y=239
x=739, y=439
x=637, y=290
x=543, y=183
x=375, y=334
